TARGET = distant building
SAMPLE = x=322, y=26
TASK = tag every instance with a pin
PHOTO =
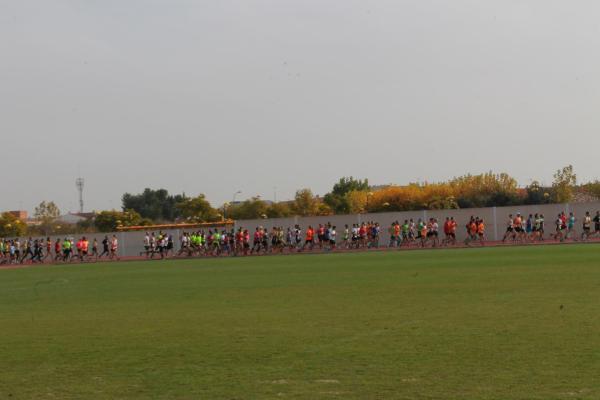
x=374, y=188
x=73, y=218
x=22, y=215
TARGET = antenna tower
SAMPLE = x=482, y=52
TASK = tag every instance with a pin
x=79, y=183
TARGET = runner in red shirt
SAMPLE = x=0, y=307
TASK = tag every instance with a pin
x=310, y=238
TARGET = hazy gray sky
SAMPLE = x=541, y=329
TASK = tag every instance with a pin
x=218, y=96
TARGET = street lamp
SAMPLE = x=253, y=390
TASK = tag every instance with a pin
x=235, y=194
x=368, y=197
x=226, y=205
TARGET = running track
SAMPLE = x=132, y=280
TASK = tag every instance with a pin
x=459, y=245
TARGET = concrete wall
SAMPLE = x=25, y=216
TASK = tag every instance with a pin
x=495, y=218
x=131, y=243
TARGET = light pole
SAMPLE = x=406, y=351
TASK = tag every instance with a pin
x=226, y=205
x=235, y=195
x=368, y=197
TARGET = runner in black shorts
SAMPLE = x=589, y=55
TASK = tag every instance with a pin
x=509, y=228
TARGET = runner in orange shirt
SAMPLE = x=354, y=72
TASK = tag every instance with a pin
x=481, y=231
x=310, y=238
x=85, y=245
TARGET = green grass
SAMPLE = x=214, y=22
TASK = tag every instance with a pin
x=474, y=323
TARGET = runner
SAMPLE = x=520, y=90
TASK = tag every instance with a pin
x=471, y=231
x=309, y=240
x=529, y=228
x=446, y=228
x=346, y=237
x=146, y=245
x=422, y=235
x=412, y=231
x=38, y=251
x=85, y=245
x=392, y=233
x=481, y=232
x=105, y=247
x=48, y=249
x=510, y=229
x=405, y=233
x=355, y=236
x=257, y=240
x=94, y=249
x=332, y=238
x=571, y=232
x=519, y=228
x=114, y=248
x=559, y=228
x=66, y=249
x=587, y=227
x=28, y=250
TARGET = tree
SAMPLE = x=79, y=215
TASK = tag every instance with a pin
x=108, y=221
x=197, y=209
x=278, y=210
x=564, y=184
x=536, y=194
x=484, y=190
x=46, y=213
x=11, y=226
x=157, y=205
x=357, y=201
x=592, y=188
x=250, y=209
x=305, y=203
x=338, y=200
x=323, y=209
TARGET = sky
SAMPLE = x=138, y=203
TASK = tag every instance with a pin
x=267, y=97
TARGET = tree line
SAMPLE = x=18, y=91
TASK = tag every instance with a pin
x=347, y=196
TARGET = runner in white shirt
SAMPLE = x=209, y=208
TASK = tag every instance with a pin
x=146, y=244
x=587, y=226
x=332, y=237
x=114, y=247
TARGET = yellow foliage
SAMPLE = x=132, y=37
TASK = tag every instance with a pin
x=444, y=195
x=357, y=201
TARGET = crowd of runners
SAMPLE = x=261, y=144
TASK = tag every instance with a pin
x=327, y=237
x=533, y=228
x=17, y=251
x=324, y=237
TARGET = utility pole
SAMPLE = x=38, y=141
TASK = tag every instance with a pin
x=79, y=184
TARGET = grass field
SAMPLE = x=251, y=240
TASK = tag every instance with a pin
x=491, y=323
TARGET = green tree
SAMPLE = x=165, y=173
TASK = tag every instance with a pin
x=537, y=194
x=157, y=205
x=592, y=188
x=338, y=199
x=108, y=221
x=197, y=209
x=564, y=184
x=11, y=226
x=305, y=203
x=250, y=209
x=442, y=203
x=279, y=210
x=47, y=213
